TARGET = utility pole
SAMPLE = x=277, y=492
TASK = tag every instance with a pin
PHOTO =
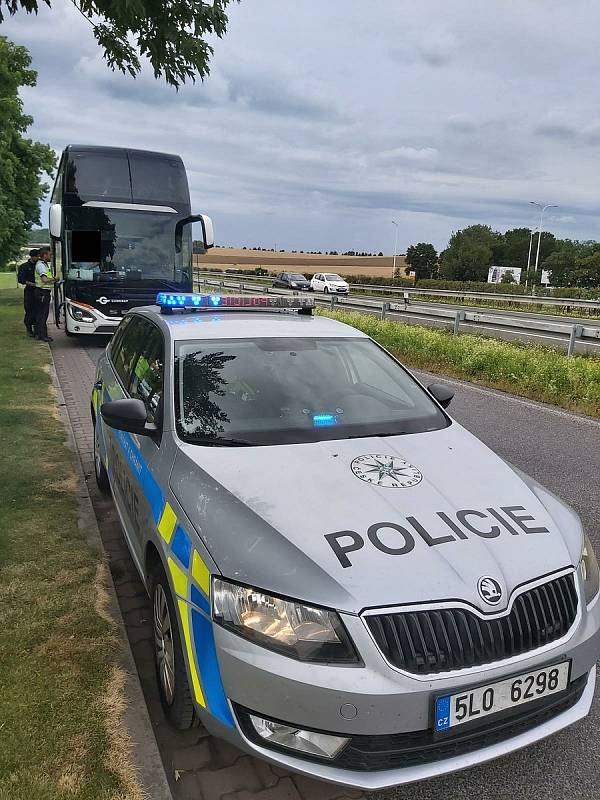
x=395, y=248
x=529, y=256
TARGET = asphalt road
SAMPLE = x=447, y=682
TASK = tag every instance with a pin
x=423, y=313
x=562, y=451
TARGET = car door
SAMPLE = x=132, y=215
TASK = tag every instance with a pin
x=146, y=384
x=318, y=282
x=278, y=280
x=136, y=365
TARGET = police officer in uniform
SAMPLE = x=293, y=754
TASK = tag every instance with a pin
x=44, y=282
x=26, y=277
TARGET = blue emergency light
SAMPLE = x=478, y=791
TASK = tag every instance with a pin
x=171, y=301
x=324, y=420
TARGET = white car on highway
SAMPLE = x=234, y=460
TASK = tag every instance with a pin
x=330, y=283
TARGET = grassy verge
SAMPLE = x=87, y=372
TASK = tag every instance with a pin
x=60, y=688
x=527, y=370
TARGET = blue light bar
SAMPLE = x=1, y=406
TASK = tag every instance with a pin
x=171, y=301
x=324, y=420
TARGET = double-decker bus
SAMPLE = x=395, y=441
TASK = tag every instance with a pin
x=120, y=224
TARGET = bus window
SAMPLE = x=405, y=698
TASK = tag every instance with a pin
x=157, y=180
x=98, y=175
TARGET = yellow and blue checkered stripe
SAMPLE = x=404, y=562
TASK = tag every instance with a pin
x=191, y=580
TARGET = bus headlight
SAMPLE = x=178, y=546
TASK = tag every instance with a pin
x=80, y=314
x=590, y=572
x=294, y=629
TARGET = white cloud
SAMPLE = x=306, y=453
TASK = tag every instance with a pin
x=320, y=122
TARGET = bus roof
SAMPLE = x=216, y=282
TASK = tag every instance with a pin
x=95, y=148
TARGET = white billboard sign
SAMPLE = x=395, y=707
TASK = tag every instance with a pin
x=495, y=274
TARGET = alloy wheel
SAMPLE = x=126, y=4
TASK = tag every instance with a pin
x=163, y=644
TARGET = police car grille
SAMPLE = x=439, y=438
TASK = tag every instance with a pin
x=440, y=640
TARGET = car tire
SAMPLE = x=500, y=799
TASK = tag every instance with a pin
x=171, y=674
x=99, y=468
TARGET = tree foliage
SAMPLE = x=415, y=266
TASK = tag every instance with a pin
x=169, y=34
x=470, y=253
x=473, y=250
x=574, y=263
x=22, y=161
x=422, y=258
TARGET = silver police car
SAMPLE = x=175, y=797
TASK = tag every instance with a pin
x=344, y=580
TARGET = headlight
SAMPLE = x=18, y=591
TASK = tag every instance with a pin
x=294, y=629
x=80, y=314
x=590, y=572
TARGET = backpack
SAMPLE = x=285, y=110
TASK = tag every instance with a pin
x=22, y=273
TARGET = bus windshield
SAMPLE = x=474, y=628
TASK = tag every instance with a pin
x=105, y=245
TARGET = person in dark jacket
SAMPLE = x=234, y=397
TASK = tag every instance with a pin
x=26, y=277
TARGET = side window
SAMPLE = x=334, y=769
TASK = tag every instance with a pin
x=127, y=349
x=147, y=378
x=115, y=342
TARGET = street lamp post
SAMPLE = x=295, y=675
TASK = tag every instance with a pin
x=529, y=256
x=542, y=209
x=395, y=248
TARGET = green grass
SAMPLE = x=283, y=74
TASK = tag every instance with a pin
x=8, y=280
x=60, y=729
x=527, y=370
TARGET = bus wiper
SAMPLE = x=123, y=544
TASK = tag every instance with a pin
x=164, y=284
x=221, y=441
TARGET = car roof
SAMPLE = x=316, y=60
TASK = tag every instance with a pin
x=245, y=324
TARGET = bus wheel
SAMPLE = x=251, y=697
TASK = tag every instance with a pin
x=171, y=675
x=99, y=468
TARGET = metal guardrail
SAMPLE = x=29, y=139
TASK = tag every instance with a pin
x=461, y=296
x=571, y=333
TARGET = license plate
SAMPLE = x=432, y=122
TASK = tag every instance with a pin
x=452, y=710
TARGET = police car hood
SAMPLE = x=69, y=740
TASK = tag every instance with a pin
x=296, y=520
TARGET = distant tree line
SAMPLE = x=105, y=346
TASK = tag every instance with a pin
x=473, y=250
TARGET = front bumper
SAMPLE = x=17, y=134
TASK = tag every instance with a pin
x=102, y=323
x=392, y=709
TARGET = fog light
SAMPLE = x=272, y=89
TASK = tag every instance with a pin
x=315, y=744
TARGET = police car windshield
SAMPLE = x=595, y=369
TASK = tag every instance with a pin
x=283, y=391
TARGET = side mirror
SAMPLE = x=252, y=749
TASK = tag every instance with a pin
x=208, y=235
x=127, y=415
x=55, y=221
x=441, y=393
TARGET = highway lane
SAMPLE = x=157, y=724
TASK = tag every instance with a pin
x=562, y=451
x=423, y=313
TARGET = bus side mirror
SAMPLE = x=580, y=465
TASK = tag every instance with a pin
x=208, y=236
x=55, y=221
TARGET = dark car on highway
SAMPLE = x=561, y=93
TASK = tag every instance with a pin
x=292, y=280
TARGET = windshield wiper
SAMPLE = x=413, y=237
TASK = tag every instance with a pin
x=381, y=434
x=221, y=441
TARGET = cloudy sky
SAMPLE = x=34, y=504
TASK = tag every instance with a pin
x=323, y=121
